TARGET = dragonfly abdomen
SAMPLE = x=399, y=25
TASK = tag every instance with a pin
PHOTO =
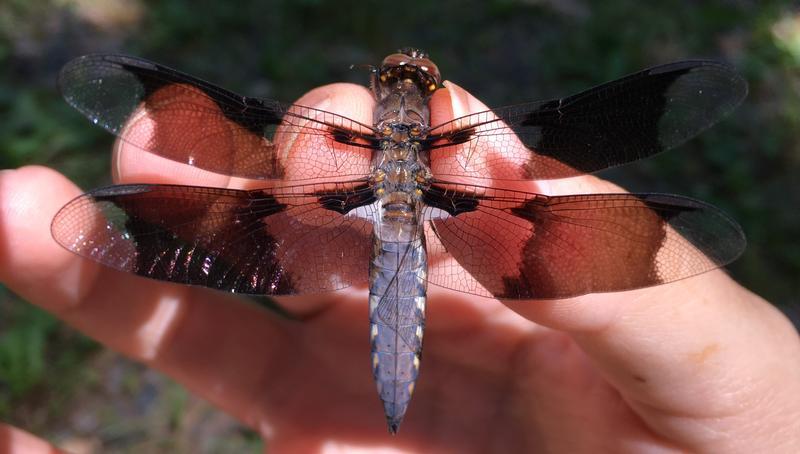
x=397, y=313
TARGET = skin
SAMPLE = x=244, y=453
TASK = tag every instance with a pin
x=700, y=365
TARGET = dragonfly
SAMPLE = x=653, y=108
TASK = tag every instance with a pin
x=339, y=203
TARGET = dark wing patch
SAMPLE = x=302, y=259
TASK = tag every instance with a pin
x=191, y=121
x=516, y=245
x=451, y=201
x=275, y=242
x=344, y=201
x=612, y=124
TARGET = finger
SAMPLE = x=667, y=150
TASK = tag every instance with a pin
x=705, y=336
x=297, y=152
x=456, y=163
x=488, y=265
x=16, y=441
x=144, y=319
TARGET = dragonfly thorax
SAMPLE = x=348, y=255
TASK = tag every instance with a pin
x=399, y=177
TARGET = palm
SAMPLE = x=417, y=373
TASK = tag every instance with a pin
x=484, y=367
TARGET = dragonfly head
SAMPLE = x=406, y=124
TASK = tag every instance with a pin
x=410, y=65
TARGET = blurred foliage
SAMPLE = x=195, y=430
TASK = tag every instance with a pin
x=40, y=359
x=503, y=51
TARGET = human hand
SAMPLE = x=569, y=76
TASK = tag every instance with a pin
x=696, y=365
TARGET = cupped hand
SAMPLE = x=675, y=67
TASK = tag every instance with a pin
x=700, y=364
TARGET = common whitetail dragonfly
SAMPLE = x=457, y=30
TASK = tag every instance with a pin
x=369, y=202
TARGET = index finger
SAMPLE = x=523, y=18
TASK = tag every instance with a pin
x=300, y=147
